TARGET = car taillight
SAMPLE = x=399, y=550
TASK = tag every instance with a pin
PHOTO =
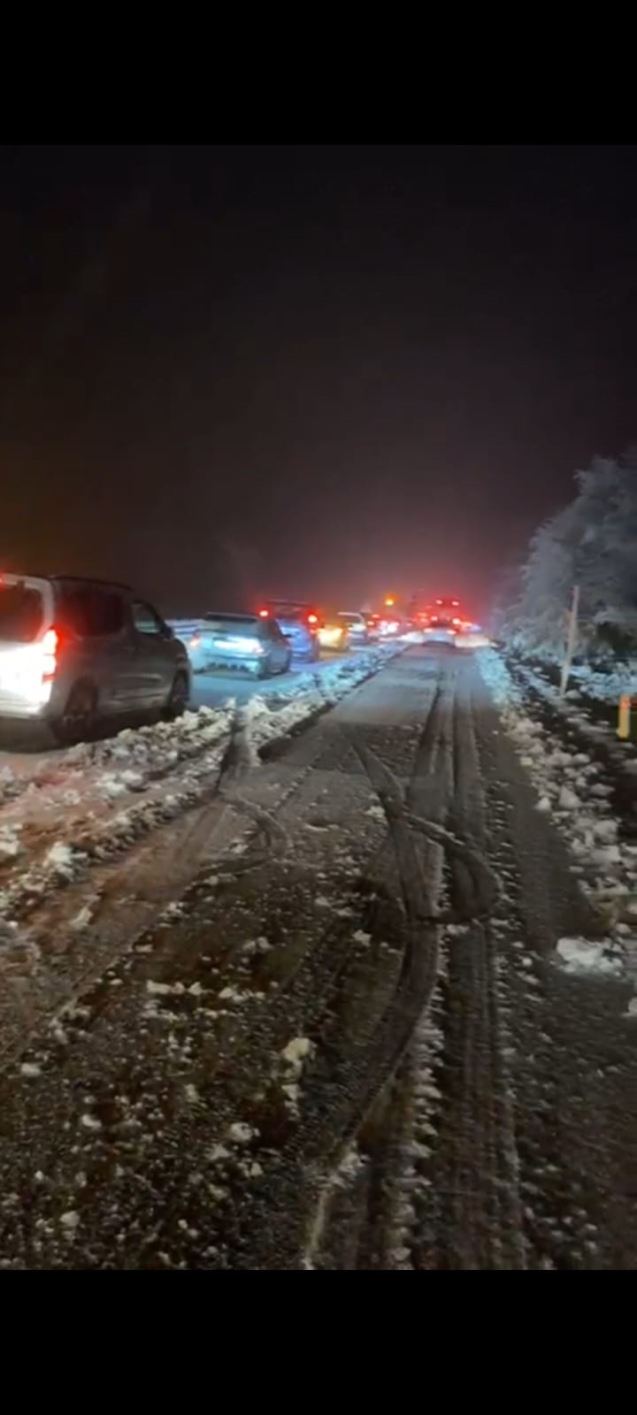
x=312, y=619
x=264, y=613
x=49, y=651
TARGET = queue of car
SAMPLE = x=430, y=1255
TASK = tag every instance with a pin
x=74, y=651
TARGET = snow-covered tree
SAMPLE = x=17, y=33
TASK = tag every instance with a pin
x=592, y=542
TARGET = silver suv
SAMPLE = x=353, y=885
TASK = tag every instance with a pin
x=74, y=651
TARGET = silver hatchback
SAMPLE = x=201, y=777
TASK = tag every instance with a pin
x=74, y=651
x=240, y=641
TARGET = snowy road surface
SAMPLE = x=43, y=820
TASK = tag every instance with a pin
x=366, y=1004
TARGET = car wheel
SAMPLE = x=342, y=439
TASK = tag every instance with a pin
x=79, y=719
x=178, y=699
x=264, y=668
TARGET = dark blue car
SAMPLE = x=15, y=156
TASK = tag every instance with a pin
x=299, y=622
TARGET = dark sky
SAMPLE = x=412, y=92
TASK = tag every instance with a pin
x=323, y=371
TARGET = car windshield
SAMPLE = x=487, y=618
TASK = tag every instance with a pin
x=21, y=613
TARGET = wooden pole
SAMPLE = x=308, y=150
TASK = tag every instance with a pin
x=623, y=721
x=570, y=642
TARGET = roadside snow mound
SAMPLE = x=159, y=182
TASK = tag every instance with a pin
x=583, y=955
x=273, y=716
x=573, y=790
x=586, y=706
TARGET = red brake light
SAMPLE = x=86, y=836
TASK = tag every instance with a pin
x=312, y=619
x=49, y=648
x=264, y=614
x=456, y=621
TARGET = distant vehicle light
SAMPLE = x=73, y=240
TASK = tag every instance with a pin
x=194, y=642
x=456, y=621
x=264, y=614
x=312, y=619
x=331, y=634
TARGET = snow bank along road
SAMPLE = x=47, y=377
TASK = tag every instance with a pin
x=389, y=1023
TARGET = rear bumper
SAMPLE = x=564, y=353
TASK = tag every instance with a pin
x=231, y=665
x=29, y=708
x=24, y=711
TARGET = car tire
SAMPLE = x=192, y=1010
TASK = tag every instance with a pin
x=178, y=698
x=264, y=668
x=78, y=722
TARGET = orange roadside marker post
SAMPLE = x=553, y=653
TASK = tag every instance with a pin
x=623, y=721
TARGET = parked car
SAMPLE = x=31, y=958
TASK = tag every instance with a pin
x=241, y=641
x=299, y=622
x=356, y=626
x=74, y=651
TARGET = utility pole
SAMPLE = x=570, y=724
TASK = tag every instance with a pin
x=570, y=641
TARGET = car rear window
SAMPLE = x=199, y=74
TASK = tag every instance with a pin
x=292, y=613
x=91, y=612
x=227, y=625
x=21, y=613
x=350, y=618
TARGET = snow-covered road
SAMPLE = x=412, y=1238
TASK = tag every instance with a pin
x=364, y=1002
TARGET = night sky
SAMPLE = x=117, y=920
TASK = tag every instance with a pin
x=328, y=372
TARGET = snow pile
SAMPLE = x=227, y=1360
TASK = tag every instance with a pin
x=572, y=790
x=583, y=955
x=273, y=716
x=602, y=688
x=605, y=687
x=172, y=765
x=294, y=1056
x=62, y=812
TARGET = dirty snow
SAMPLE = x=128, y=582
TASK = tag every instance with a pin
x=571, y=787
x=584, y=955
x=109, y=794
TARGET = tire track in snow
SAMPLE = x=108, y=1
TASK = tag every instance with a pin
x=419, y=872
x=473, y=1209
